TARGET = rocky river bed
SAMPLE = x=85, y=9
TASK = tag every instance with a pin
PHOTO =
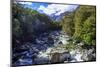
x=50, y=47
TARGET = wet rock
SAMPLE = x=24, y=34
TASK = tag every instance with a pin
x=26, y=61
x=66, y=56
x=89, y=55
x=60, y=42
x=20, y=50
x=56, y=58
x=60, y=57
x=41, y=60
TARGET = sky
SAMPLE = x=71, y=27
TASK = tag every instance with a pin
x=49, y=8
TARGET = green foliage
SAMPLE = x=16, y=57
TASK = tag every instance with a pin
x=70, y=46
x=85, y=27
x=81, y=24
x=89, y=29
x=16, y=28
x=67, y=23
x=55, y=25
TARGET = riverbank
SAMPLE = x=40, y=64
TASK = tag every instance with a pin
x=52, y=47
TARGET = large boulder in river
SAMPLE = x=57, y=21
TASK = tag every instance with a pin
x=60, y=57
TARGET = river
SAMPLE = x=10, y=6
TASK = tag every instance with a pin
x=48, y=45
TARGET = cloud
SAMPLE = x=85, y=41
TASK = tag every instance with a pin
x=48, y=10
x=56, y=9
x=26, y=3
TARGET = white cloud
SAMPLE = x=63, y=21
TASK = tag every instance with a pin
x=56, y=9
x=27, y=3
x=48, y=10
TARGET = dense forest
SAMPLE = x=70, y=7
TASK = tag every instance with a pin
x=81, y=24
x=28, y=24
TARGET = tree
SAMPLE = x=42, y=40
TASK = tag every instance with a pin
x=68, y=24
x=85, y=27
